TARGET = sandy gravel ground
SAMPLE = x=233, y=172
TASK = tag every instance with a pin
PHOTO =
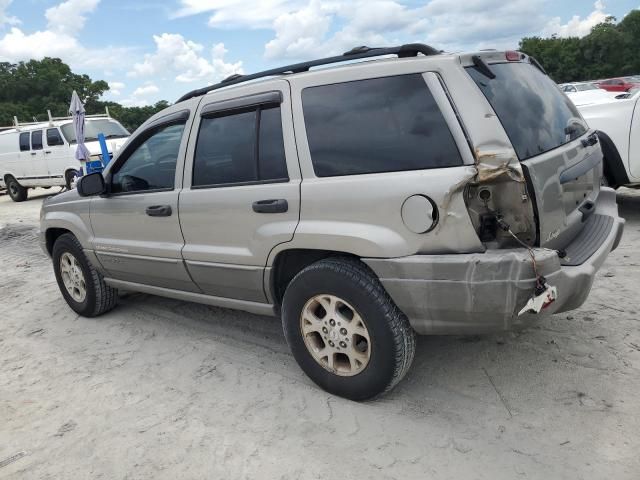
x=163, y=389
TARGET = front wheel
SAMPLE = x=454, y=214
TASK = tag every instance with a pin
x=81, y=285
x=17, y=192
x=344, y=330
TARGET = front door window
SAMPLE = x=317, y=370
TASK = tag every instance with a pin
x=151, y=166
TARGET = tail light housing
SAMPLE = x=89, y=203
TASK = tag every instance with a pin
x=512, y=55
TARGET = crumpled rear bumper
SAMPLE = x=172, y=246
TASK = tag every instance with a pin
x=483, y=292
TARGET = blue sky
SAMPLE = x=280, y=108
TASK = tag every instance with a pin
x=150, y=49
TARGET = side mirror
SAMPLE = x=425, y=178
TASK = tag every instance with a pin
x=91, y=184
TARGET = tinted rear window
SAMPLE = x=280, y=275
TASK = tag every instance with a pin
x=535, y=114
x=36, y=140
x=241, y=147
x=24, y=142
x=378, y=125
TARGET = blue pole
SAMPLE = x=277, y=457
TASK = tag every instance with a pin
x=105, y=151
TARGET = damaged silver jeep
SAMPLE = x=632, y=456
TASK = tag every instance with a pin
x=416, y=192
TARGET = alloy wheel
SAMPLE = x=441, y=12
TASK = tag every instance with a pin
x=335, y=335
x=73, y=277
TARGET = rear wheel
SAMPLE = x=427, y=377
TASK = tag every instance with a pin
x=81, y=285
x=344, y=330
x=17, y=192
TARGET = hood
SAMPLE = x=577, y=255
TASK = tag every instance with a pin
x=591, y=97
x=113, y=145
x=62, y=197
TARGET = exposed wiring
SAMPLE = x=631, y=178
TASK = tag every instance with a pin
x=540, y=280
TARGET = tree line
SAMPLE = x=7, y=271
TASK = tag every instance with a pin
x=29, y=89
x=611, y=49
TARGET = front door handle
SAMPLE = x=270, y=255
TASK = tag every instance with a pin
x=47, y=152
x=159, y=211
x=279, y=205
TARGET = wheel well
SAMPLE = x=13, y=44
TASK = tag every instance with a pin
x=7, y=177
x=613, y=167
x=289, y=263
x=51, y=235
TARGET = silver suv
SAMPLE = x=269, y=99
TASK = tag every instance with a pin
x=427, y=193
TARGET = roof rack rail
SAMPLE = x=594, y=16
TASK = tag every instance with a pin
x=17, y=124
x=408, y=50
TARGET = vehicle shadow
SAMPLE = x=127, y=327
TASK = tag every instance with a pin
x=464, y=367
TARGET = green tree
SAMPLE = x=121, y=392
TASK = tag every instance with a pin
x=610, y=50
x=29, y=89
x=130, y=117
x=629, y=26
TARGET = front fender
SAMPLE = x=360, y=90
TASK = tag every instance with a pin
x=67, y=211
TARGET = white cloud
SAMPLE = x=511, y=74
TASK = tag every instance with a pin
x=115, y=88
x=17, y=45
x=69, y=17
x=60, y=39
x=313, y=29
x=187, y=61
x=145, y=90
x=4, y=18
x=577, y=26
x=143, y=95
x=239, y=13
x=306, y=29
x=302, y=31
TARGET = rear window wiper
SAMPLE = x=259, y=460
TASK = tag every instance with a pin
x=482, y=67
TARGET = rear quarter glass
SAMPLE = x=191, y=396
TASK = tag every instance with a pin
x=376, y=125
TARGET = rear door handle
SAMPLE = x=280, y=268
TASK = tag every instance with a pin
x=279, y=205
x=33, y=153
x=159, y=211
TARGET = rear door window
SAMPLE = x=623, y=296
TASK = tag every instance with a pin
x=25, y=146
x=36, y=140
x=533, y=112
x=377, y=125
x=240, y=147
x=53, y=137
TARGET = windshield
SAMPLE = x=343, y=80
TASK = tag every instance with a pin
x=92, y=128
x=586, y=86
x=535, y=114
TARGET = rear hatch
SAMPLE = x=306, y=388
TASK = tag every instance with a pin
x=561, y=158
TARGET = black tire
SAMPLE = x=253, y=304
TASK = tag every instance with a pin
x=17, y=192
x=69, y=175
x=100, y=297
x=392, y=338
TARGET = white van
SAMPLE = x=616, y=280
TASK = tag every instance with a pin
x=43, y=154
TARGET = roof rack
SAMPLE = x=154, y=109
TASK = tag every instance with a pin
x=408, y=50
x=17, y=124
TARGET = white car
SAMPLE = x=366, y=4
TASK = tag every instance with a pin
x=586, y=93
x=618, y=126
x=42, y=154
